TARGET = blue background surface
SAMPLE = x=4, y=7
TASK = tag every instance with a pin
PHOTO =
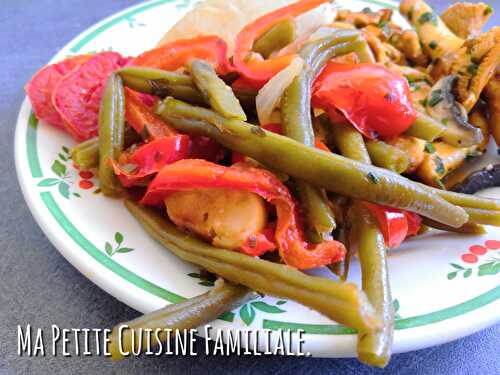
x=38, y=286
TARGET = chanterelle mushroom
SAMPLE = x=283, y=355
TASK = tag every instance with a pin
x=442, y=106
x=466, y=19
x=492, y=93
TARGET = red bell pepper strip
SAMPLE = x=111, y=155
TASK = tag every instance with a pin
x=175, y=55
x=199, y=174
x=260, y=243
x=414, y=223
x=395, y=224
x=142, y=118
x=261, y=71
x=134, y=166
x=138, y=163
x=375, y=100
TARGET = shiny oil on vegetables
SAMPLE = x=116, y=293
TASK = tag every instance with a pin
x=304, y=138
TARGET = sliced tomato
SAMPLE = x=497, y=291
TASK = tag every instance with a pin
x=375, y=100
x=40, y=88
x=77, y=96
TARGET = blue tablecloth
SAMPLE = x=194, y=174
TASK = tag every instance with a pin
x=38, y=286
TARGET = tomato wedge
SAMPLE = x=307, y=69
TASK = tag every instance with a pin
x=374, y=100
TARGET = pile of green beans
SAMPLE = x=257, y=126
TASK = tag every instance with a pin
x=365, y=170
x=319, y=168
x=340, y=301
x=179, y=316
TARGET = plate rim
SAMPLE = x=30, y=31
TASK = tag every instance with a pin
x=31, y=158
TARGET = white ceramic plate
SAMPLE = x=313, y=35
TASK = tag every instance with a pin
x=440, y=293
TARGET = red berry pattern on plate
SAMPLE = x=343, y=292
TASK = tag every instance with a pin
x=485, y=255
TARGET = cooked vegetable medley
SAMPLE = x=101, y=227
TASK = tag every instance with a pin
x=300, y=140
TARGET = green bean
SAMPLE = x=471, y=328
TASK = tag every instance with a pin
x=277, y=37
x=342, y=302
x=386, y=156
x=86, y=154
x=350, y=142
x=364, y=53
x=374, y=348
x=188, y=94
x=184, y=315
x=466, y=200
x=319, y=217
x=467, y=228
x=426, y=128
x=482, y=216
x=319, y=168
x=111, y=130
x=149, y=80
x=297, y=124
x=351, y=145
x=217, y=93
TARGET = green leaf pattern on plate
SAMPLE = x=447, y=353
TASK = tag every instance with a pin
x=248, y=312
x=60, y=168
x=110, y=250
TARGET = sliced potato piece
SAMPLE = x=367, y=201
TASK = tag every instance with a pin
x=225, y=217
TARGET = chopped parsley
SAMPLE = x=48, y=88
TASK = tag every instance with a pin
x=440, y=170
x=257, y=130
x=436, y=97
x=429, y=147
x=433, y=44
x=488, y=10
x=472, y=69
x=445, y=121
x=439, y=183
x=373, y=178
x=428, y=17
x=410, y=14
x=382, y=23
x=412, y=84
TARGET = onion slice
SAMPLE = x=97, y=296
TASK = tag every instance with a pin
x=270, y=95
